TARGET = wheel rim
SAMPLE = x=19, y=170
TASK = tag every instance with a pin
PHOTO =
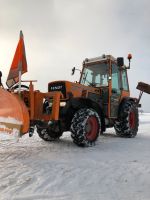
x=91, y=128
x=132, y=119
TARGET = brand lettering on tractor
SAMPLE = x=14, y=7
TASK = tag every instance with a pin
x=56, y=87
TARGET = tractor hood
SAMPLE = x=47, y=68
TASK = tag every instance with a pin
x=70, y=89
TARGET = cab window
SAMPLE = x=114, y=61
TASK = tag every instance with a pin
x=115, y=79
x=124, y=80
x=95, y=75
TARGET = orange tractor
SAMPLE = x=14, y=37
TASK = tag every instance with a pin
x=101, y=99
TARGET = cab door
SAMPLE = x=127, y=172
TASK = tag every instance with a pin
x=125, y=86
x=115, y=90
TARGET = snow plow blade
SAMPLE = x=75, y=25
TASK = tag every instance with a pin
x=144, y=87
x=14, y=114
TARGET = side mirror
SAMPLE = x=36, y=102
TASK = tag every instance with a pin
x=73, y=70
x=120, y=61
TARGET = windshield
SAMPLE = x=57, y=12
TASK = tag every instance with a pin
x=95, y=75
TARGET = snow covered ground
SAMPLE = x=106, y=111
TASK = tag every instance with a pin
x=114, y=169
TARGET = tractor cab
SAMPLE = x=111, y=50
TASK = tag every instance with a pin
x=110, y=75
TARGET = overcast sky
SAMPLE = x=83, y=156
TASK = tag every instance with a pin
x=60, y=34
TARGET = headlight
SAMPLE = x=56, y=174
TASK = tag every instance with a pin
x=62, y=104
x=50, y=104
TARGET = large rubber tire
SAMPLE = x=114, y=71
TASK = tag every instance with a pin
x=128, y=120
x=48, y=135
x=85, y=127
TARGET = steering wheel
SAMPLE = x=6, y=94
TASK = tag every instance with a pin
x=23, y=87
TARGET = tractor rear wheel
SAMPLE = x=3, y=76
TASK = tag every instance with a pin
x=85, y=127
x=128, y=120
x=47, y=134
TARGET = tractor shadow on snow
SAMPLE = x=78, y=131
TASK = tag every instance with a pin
x=109, y=135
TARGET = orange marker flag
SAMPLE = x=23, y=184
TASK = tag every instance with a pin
x=19, y=63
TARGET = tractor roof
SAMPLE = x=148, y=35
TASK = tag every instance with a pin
x=99, y=59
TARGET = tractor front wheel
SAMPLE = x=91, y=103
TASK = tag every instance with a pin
x=85, y=127
x=47, y=134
